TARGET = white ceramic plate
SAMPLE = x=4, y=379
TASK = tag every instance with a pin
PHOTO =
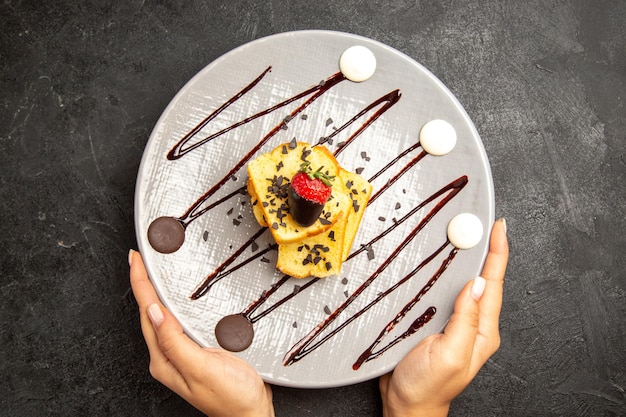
x=299, y=61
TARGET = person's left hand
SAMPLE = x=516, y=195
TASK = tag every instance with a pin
x=214, y=381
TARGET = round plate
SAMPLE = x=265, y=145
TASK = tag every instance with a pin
x=401, y=268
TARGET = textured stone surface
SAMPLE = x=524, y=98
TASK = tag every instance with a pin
x=83, y=83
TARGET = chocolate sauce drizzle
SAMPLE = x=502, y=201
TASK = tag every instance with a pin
x=417, y=324
x=218, y=274
x=318, y=91
x=307, y=344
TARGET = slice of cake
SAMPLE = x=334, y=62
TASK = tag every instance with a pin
x=269, y=179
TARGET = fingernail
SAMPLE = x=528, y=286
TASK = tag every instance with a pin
x=155, y=314
x=478, y=288
x=130, y=257
x=503, y=220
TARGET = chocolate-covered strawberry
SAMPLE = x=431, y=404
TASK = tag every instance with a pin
x=308, y=193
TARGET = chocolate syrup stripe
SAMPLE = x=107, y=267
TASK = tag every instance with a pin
x=417, y=324
x=306, y=345
x=398, y=176
x=215, y=276
x=265, y=296
x=389, y=99
x=193, y=213
x=178, y=152
x=369, y=353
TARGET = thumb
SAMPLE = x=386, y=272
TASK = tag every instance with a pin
x=177, y=348
x=460, y=332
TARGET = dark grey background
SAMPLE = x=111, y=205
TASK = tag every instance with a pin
x=83, y=83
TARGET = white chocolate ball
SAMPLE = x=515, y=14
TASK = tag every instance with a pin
x=357, y=63
x=438, y=137
x=465, y=230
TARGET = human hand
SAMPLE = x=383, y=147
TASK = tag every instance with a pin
x=438, y=369
x=215, y=381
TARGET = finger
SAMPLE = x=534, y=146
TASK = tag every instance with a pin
x=180, y=350
x=144, y=291
x=460, y=333
x=145, y=294
x=488, y=340
x=493, y=272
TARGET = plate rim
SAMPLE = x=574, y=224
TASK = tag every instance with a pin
x=359, y=377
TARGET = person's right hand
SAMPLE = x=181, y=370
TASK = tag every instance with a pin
x=431, y=375
x=215, y=381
